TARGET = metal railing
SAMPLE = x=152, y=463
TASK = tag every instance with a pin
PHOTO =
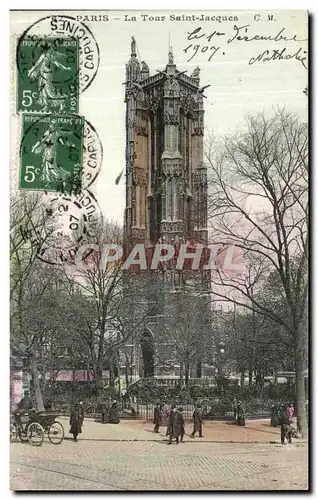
x=145, y=411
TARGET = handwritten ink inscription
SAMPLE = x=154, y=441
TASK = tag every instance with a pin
x=216, y=42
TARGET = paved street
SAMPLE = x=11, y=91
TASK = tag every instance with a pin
x=129, y=456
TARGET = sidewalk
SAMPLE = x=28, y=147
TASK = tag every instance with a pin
x=256, y=431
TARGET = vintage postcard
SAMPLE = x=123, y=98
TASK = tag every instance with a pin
x=159, y=250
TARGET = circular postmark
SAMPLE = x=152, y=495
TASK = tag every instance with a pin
x=92, y=154
x=59, y=153
x=53, y=32
x=70, y=222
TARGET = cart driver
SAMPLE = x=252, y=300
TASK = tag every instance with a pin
x=25, y=403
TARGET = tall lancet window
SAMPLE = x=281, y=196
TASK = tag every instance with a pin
x=174, y=199
x=169, y=200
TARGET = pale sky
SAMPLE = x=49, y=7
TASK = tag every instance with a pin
x=236, y=88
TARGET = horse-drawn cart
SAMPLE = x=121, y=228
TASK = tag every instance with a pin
x=52, y=427
x=32, y=426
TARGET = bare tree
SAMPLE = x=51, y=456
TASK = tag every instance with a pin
x=259, y=203
x=186, y=328
x=107, y=303
x=30, y=280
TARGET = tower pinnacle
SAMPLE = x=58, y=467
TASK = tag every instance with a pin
x=133, y=47
x=171, y=61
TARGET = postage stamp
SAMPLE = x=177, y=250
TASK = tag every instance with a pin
x=66, y=28
x=51, y=153
x=48, y=75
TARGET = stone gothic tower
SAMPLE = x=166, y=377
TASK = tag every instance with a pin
x=166, y=180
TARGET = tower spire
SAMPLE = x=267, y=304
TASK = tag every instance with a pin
x=171, y=56
x=133, y=47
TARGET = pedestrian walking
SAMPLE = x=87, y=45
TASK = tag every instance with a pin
x=286, y=430
x=105, y=412
x=181, y=423
x=81, y=409
x=197, y=422
x=174, y=426
x=157, y=418
x=234, y=408
x=165, y=412
x=274, y=416
x=114, y=413
x=76, y=421
x=240, y=413
x=291, y=411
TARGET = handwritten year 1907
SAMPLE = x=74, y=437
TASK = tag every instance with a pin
x=211, y=50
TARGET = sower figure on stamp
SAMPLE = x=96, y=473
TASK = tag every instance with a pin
x=157, y=418
x=47, y=146
x=76, y=421
x=197, y=422
x=43, y=72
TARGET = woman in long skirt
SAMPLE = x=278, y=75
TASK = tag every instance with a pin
x=76, y=421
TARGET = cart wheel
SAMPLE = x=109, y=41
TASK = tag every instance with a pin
x=56, y=433
x=13, y=433
x=22, y=436
x=35, y=434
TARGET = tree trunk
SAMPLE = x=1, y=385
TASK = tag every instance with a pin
x=250, y=378
x=111, y=376
x=36, y=384
x=99, y=379
x=242, y=379
x=127, y=376
x=186, y=373
x=181, y=373
x=300, y=396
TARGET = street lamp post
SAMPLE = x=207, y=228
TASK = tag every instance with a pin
x=221, y=361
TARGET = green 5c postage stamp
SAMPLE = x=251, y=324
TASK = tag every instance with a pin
x=51, y=153
x=48, y=75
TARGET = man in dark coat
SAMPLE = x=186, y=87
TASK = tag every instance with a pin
x=172, y=409
x=197, y=422
x=81, y=410
x=25, y=403
x=234, y=408
x=105, y=412
x=181, y=423
x=76, y=421
x=274, y=416
x=286, y=430
x=174, y=428
x=48, y=405
x=240, y=413
x=157, y=418
x=114, y=413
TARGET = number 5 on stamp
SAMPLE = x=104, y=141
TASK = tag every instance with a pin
x=48, y=75
x=51, y=153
